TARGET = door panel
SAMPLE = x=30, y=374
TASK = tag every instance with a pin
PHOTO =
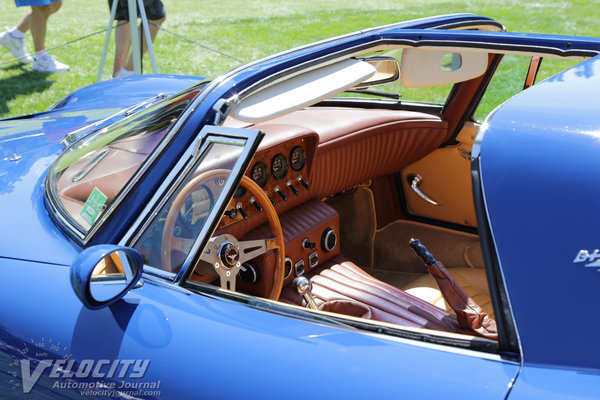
x=445, y=176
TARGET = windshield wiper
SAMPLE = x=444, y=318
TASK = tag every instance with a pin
x=379, y=93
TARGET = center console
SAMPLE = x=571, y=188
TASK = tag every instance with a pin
x=311, y=236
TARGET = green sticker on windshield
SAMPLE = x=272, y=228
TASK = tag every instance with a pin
x=93, y=206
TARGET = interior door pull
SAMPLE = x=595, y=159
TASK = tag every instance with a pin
x=414, y=181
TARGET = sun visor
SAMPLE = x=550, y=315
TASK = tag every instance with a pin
x=302, y=90
x=426, y=67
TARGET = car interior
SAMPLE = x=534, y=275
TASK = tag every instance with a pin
x=343, y=181
x=351, y=185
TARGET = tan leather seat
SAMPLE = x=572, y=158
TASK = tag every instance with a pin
x=472, y=280
x=343, y=287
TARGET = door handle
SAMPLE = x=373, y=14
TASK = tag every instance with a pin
x=414, y=181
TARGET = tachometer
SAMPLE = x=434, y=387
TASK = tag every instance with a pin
x=297, y=158
x=279, y=166
x=260, y=174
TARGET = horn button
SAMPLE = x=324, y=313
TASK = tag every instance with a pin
x=229, y=254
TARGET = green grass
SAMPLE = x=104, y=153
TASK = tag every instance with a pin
x=246, y=30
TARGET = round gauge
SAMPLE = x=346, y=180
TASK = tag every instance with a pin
x=279, y=166
x=297, y=158
x=196, y=207
x=239, y=192
x=260, y=174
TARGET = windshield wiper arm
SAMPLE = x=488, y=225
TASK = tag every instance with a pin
x=379, y=93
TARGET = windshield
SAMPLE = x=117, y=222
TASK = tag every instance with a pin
x=87, y=178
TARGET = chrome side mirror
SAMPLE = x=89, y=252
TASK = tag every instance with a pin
x=102, y=274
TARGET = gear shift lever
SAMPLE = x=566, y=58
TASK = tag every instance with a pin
x=303, y=286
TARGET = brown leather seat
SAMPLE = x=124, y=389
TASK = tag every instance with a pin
x=342, y=287
x=472, y=280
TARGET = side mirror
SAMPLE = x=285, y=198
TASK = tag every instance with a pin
x=387, y=70
x=102, y=274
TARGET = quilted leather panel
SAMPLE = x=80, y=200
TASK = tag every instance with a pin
x=372, y=153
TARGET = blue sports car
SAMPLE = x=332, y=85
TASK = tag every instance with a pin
x=392, y=213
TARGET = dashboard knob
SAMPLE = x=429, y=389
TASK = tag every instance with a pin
x=307, y=244
x=277, y=190
x=241, y=210
x=253, y=201
x=303, y=182
x=292, y=188
x=231, y=213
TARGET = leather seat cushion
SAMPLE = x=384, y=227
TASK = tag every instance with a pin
x=472, y=280
x=342, y=280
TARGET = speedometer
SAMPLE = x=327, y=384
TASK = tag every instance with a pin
x=260, y=174
x=279, y=166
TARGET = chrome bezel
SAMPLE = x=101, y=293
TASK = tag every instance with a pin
x=291, y=267
x=326, y=237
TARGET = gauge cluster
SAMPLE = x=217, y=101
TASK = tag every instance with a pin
x=281, y=171
x=280, y=165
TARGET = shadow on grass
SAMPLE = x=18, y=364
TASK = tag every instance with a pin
x=25, y=83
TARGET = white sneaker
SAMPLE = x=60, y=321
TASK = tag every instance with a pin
x=123, y=73
x=44, y=63
x=15, y=46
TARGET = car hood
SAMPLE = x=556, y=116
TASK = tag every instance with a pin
x=28, y=146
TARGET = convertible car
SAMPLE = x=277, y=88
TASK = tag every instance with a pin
x=402, y=212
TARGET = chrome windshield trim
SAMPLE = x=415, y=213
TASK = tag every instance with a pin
x=157, y=272
x=72, y=137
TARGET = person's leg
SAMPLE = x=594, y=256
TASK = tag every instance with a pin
x=122, y=45
x=153, y=26
x=23, y=26
x=14, y=39
x=39, y=18
x=38, y=21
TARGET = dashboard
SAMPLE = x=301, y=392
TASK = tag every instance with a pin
x=283, y=173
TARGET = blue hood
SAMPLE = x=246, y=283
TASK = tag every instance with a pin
x=28, y=146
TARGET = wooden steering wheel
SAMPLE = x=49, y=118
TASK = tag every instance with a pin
x=224, y=252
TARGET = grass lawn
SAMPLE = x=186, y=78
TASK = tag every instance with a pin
x=247, y=31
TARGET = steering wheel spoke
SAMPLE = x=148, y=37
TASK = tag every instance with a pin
x=250, y=249
x=227, y=275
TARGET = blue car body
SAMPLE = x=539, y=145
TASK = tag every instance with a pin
x=534, y=166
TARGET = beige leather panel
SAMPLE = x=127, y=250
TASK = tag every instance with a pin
x=472, y=280
x=446, y=178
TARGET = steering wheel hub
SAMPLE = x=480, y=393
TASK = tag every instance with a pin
x=229, y=254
